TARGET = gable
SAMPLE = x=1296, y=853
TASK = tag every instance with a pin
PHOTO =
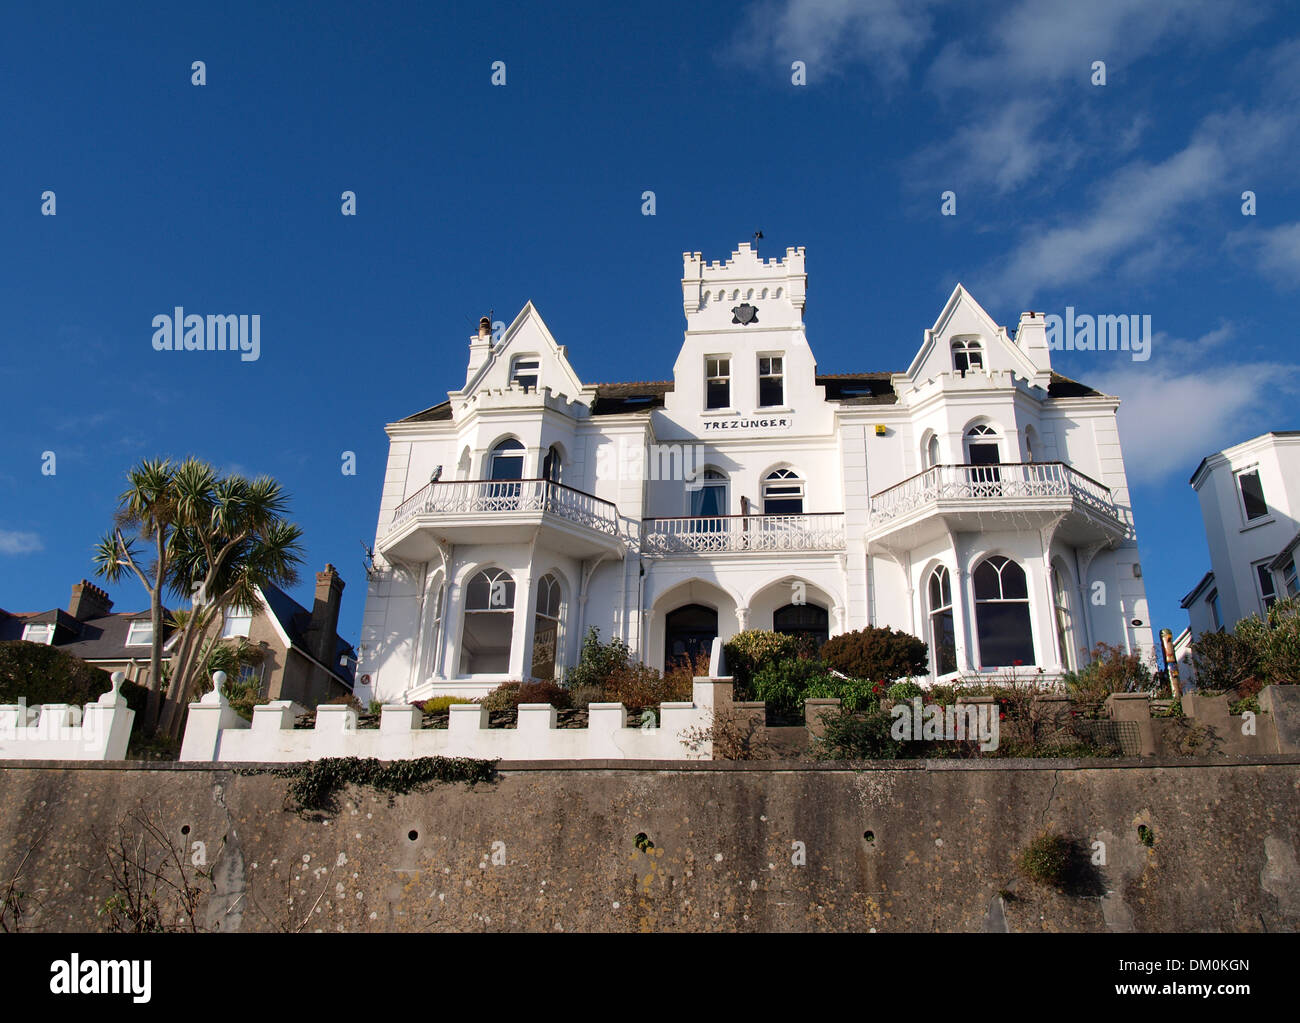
x=527, y=338
x=963, y=320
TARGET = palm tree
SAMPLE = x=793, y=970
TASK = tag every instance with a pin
x=215, y=540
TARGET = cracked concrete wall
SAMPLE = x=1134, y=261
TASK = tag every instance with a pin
x=916, y=846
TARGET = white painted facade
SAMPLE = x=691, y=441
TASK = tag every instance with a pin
x=824, y=503
x=1250, y=504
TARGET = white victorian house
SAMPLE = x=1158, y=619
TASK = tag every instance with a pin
x=976, y=499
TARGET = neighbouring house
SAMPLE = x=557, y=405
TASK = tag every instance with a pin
x=1250, y=504
x=303, y=657
x=976, y=499
x=91, y=630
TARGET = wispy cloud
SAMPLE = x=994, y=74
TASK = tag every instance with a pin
x=830, y=36
x=12, y=542
x=1173, y=413
x=1277, y=251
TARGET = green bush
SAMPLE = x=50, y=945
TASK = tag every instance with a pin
x=747, y=653
x=849, y=736
x=1275, y=643
x=597, y=662
x=1223, y=660
x=900, y=691
x=877, y=654
x=854, y=694
x=441, y=703
x=783, y=685
x=1047, y=859
x=45, y=674
x=503, y=697
x=1111, y=670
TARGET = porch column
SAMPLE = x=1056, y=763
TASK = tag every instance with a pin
x=521, y=640
x=453, y=621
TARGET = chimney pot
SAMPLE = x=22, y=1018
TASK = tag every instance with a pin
x=484, y=327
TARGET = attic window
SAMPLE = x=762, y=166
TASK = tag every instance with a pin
x=239, y=621
x=855, y=391
x=140, y=634
x=524, y=371
x=638, y=399
x=967, y=353
x=43, y=633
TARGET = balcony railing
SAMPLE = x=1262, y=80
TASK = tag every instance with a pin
x=712, y=534
x=981, y=483
x=467, y=497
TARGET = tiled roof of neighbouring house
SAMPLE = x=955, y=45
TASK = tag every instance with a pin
x=99, y=638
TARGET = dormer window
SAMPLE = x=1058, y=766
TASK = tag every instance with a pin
x=771, y=380
x=41, y=633
x=140, y=634
x=967, y=354
x=717, y=373
x=524, y=370
x=239, y=622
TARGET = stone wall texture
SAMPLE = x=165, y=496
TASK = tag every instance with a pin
x=919, y=846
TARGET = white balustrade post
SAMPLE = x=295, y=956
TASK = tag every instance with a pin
x=206, y=721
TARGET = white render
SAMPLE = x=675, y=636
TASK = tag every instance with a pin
x=862, y=546
x=215, y=733
x=1239, y=543
x=59, y=731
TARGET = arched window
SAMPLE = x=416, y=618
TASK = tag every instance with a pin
x=808, y=620
x=552, y=465
x=782, y=493
x=523, y=371
x=489, y=623
x=1064, y=623
x=1002, y=614
x=943, y=633
x=930, y=452
x=983, y=457
x=507, y=460
x=689, y=632
x=967, y=353
x=546, y=628
x=1032, y=447
x=709, y=498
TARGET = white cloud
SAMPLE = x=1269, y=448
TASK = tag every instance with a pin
x=1278, y=251
x=12, y=542
x=829, y=35
x=1171, y=416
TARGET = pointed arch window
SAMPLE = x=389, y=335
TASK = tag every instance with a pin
x=1061, y=615
x=524, y=370
x=709, y=498
x=552, y=465
x=489, y=623
x=967, y=354
x=983, y=456
x=943, y=633
x=783, y=493
x=1002, y=613
x=546, y=628
x=930, y=452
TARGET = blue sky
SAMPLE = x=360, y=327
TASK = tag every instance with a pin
x=1122, y=198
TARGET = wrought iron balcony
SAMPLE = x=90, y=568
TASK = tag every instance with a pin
x=487, y=497
x=987, y=485
x=716, y=534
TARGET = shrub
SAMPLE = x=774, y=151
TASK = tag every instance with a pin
x=747, y=653
x=584, y=696
x=877, y=653
x=638, y=686
x=854, y=694
x=1112, y=670
x=904, y=691
x=1275, y=643
x=544, y=692
x=1047, y=859
x=441, y=703
x=503, y=697
x=849, y=736
x=1224, y=660
x=782, y=685
x=597, y=661
x=45, y=674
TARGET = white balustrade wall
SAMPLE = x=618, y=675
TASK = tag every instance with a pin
x=59, y=731
x=215, y=733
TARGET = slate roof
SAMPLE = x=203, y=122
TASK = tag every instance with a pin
x=845, y=388
x=102, y=638
x=294, y=620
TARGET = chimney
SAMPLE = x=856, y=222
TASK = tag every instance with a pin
x=479, y=347
x=88, y=601
x=320, y=638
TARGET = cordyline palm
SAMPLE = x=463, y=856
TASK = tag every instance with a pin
x=213, y=538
